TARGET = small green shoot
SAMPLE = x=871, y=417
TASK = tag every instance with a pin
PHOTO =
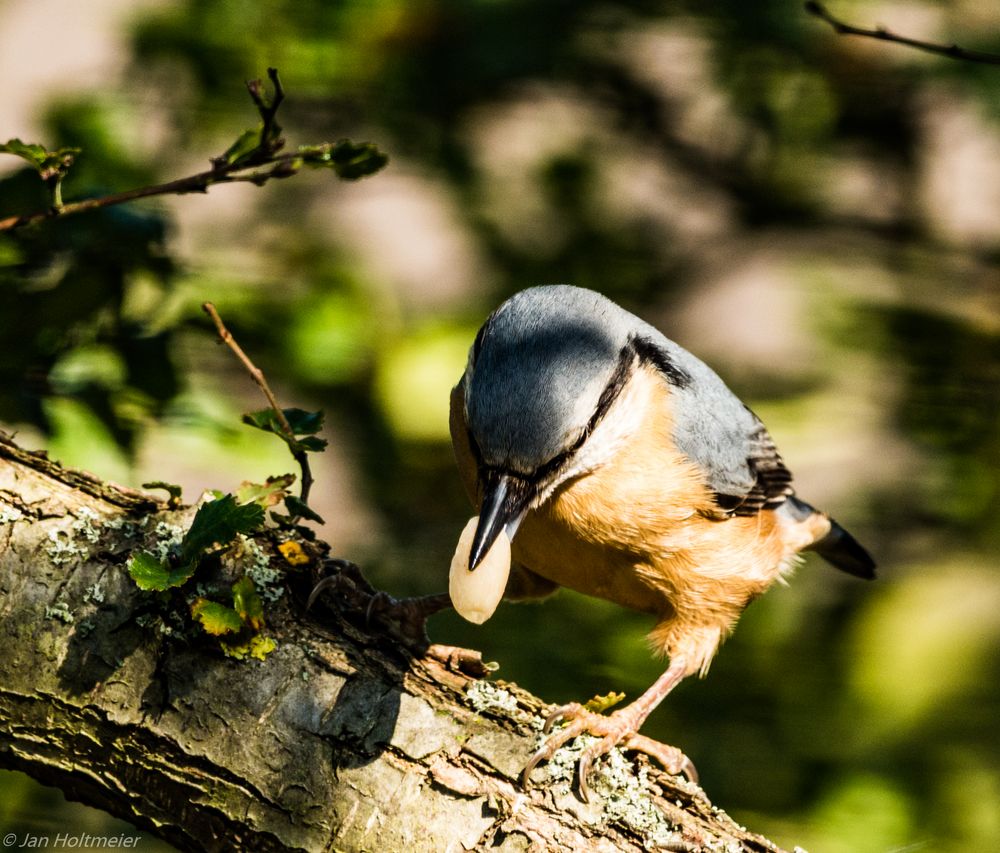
x=350, y=160
x=247, y=603
x=298, y=507
x=243, y=150
x=256, y=647
x=600, y=704
x=218, y=619
x=51, y=166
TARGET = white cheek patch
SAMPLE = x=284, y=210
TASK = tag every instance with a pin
x=476, y=595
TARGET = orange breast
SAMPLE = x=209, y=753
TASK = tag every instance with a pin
x=637, y=530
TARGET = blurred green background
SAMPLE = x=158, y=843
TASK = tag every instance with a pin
x=817, y=217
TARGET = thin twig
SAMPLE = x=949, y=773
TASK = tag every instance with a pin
x=268, y=110
x=198, y=183
x=258, y=376
x=952, y=51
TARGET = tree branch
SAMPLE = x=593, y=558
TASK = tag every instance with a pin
x=952, y=51
x=241, y=163
x=342, y=738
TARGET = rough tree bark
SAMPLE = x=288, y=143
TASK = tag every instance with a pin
x=341, y=739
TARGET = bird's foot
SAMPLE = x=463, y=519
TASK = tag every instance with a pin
x=619, y=728
x=406, y=617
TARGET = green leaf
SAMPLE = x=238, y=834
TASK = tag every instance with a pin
x=247, y=603
x=302, y=423
x=266, y=494
x=215, y=618
x=600, y=704
x=265, y=419
x=49, y=164
x=350, y=160
x=297, y=506
x=147, y=571
x=257, y=647
x=219, y=521
x=152, y=574
x=247, y=144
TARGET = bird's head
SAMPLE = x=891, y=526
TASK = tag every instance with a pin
x=544, y=370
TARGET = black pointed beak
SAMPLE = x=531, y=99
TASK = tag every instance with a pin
x=505, y=503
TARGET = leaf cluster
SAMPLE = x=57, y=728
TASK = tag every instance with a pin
x=218, y=619
x=303, y=427
x=218, y=522
x=297, y=428
x=215, y=524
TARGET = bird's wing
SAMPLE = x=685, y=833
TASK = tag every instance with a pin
x=715, y=430
x=772, y=481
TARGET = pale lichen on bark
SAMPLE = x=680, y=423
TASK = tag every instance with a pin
x=342, y=739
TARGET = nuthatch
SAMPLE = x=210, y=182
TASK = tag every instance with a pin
x=605, y=458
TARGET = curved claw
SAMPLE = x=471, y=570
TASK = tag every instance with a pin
x=533, y=762
x=328, y=582
x=670, y=758
x=689, y=770
x=378, y=600
x=589, y=756
x=616, y=731
x=551, y=746
x=563, y=712
x=582, y=772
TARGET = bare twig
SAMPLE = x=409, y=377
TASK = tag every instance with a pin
x=268, y=110
x=258, y=376
x=952, y=51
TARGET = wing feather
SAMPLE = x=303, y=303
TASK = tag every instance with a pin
x=727, y=441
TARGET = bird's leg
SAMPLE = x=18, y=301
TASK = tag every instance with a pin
x=618, y=728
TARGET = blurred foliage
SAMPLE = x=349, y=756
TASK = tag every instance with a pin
x=788, y=204
x=65, y=291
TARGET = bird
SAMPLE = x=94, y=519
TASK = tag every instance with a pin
x=603, y=457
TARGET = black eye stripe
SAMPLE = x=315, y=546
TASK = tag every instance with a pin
x=610, y=393
x=650, y=353
x=637, y=348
